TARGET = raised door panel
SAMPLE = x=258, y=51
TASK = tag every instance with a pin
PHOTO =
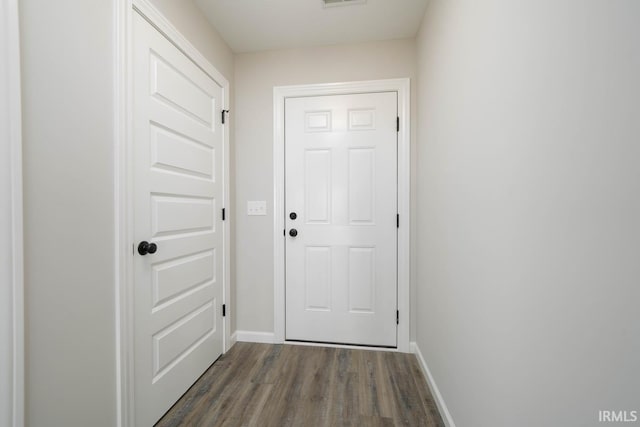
x=179, y=90
x=176, y=153
x=362, y=186
x=174, y=342
x=317, y=186
x=174, y=278
x=318, y=279
x=172, y=215
x=362, y=291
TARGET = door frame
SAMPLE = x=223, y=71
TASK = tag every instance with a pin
x=12, y=298
x=123, y=189
x=280, y=94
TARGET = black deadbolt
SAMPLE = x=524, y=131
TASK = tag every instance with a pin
x=293, y=232
x=293, y=215
x=147, y=248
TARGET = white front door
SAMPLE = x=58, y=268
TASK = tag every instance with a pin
x=178, y=188
x=341, y=213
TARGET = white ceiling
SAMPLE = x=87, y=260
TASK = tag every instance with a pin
x=254, y=25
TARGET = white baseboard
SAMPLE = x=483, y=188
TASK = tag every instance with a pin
x=253, y=336
x=435, y=392
x=233, y=338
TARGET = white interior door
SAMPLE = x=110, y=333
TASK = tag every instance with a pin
x=178, y=188
x=341, y=199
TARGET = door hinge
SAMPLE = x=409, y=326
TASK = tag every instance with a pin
x=397, y=317
x=397, y=220
x=224, y=214
x=397, y=124
x=224, y=310
x=224, y=112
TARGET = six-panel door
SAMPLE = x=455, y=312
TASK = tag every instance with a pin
x=341, y=183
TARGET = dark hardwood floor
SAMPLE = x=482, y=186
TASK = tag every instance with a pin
x=284, y=385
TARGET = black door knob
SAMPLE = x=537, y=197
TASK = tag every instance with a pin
x=293, y=232
x=147, y=248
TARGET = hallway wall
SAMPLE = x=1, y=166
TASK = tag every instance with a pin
x=256, y=76
x=528, y=207
x=67, y=89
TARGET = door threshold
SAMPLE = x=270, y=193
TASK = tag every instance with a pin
x=341, y=345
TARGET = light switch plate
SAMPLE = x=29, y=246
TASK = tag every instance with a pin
x=258, y=207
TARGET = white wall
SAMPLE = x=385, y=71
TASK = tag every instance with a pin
x=256, y=75
x=11, y=285
x=67, y=71
x=529, y=207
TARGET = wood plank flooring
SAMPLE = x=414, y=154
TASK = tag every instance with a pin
x=285, y=385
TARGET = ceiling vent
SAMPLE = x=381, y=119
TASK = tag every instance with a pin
x=333, y=3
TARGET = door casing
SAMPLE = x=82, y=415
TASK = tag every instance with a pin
x=11, y=222
x=123, y=187
x=280, y=93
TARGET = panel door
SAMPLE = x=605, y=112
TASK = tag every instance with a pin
x=178, y=188
x=341, y=199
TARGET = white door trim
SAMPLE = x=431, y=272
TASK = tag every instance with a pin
x=280, y=93
x=12, y=343
x=123, y=186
